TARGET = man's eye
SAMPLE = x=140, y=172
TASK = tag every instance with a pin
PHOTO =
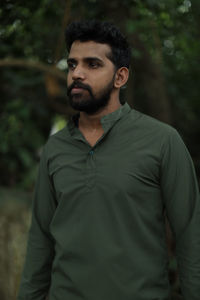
x=93, y=64
x=71, y=65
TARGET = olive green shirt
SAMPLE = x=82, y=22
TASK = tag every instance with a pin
x=98, y=228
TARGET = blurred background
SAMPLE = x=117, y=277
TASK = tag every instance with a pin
x=164, y=83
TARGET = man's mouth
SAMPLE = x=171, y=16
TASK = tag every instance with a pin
x=77, y=90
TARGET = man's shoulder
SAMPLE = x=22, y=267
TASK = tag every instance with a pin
x=57, y=139
x=60, y=134
x=142, y=121
x=153, y=133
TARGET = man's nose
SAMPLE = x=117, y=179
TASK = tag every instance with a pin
x=78, y=73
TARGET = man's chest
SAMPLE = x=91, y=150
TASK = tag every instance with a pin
x=128, y=168
x=103, y=187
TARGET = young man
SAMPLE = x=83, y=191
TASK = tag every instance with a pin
x=105, y=181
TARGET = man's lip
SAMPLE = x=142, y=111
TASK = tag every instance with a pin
x=77, y=90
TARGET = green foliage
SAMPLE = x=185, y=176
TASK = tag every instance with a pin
x=27, y=32
x=27, y=29
x=20, y=138
x=22, y=131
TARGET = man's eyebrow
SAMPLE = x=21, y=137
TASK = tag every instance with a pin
x=86, y=59
x=71, y=60
x=93, y=58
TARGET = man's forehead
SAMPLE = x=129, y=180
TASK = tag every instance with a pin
x=89, y=49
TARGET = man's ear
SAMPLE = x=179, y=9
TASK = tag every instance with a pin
x=121, y=77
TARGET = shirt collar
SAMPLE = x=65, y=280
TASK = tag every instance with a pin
x=107, y=121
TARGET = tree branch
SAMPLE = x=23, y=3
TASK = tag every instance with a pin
x=22, y=63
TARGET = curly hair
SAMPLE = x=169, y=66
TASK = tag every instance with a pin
x=104, y=33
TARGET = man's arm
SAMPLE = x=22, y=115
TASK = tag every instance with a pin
x=36, y=276
x=182, y=202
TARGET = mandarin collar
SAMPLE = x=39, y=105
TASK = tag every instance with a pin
x=107, y=121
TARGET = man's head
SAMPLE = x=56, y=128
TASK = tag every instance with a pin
x=103, y=33
x=98, y=62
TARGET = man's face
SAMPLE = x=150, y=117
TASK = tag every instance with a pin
x=91, y=76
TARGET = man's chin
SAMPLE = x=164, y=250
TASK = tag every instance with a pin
x=89, y=105
x=80, y=104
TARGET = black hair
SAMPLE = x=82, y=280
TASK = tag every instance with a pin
x=104, y=33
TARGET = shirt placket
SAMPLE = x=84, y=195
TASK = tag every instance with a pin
x=90, y=177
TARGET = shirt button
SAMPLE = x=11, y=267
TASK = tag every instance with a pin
x=91, y=152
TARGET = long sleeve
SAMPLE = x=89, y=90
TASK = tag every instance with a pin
x=181, y=196
x=36, y=276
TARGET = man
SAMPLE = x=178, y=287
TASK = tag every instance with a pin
x=105, y=181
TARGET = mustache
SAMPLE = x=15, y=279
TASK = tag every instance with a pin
x=78, y=84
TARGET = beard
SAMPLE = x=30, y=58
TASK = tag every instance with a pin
x=90, y=103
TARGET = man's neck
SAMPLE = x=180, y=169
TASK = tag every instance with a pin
x=93, y=121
